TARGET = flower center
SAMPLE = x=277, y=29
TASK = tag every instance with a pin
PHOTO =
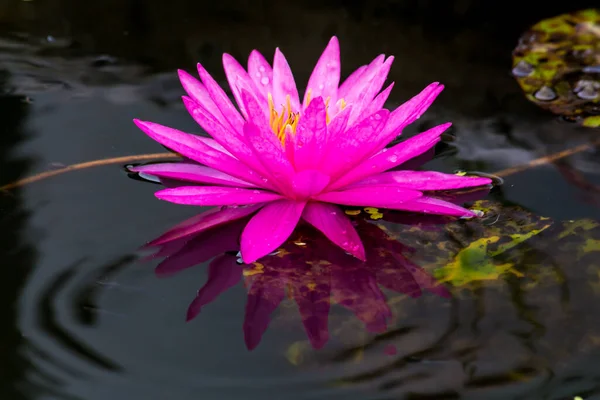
x=284, y=122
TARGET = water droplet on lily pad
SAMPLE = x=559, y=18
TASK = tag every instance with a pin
x=545, y=94
x=523, y=68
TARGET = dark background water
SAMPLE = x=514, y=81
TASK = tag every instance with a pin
x=81, y=318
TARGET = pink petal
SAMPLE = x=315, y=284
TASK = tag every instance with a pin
x=268, y=151
x=393, y=157
x=256, y=114
x=260, y=72
x=195, y=148
x=431, y=205
x=361, y=82
x=238, y=78
x=336, y=226
x=309, y=182
x=352, y=148
x=212, y=143
x=200, y=95
x=191, y=173
x=311, y=136
x=423, y=180
x=223, y=274
x=378, y=196
x=337, y=127
x=290, y=146
x=269, y=228
x=202, y=247
x=206, y=220
x=407, y=113
x=221, y=100
x=325, y=78
x=283, y=83
x=262, y=301
x=369, y=89
x=377, y=103
x=350, y=81
x=215, y=196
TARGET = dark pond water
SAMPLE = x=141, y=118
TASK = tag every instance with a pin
x=83, y=317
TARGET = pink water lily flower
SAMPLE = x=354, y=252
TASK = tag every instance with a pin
x=285, y=159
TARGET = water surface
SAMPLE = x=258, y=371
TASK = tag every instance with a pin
x=84, y=318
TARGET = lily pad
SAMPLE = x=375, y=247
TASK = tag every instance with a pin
x=557, y=65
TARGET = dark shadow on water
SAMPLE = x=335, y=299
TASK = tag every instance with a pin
x=17, y=254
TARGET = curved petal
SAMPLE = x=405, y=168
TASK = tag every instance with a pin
x=191, y=173
x=256, y=113
x=360, y=83
x=223, y=273
x=423, y=180
x=260, y=72
x=369, y=89
x=378, y=196
x=311, y=136
x=431, y=205
x=377, y=103
x=269, y=228
x=351, y=80
x=336, y=226
x=221, y=100
x=283, y=83
x=392, y=157
x=194, y=148
x=200, y=95
x=215, y=196
x=206, y=220
x=337, y=126
x=325, y=78
x=289, y=146
x=238, y=78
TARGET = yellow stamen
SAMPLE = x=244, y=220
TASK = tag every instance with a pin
x=308, y=97
x=327, y=119
x=285, y=122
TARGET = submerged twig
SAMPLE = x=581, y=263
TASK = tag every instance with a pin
x=161, y=156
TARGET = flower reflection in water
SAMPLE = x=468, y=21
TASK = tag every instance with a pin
x=307, y=268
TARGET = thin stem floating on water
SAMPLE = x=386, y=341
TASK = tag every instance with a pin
x=547, y=159
x=162, y=156
x=89, y=164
